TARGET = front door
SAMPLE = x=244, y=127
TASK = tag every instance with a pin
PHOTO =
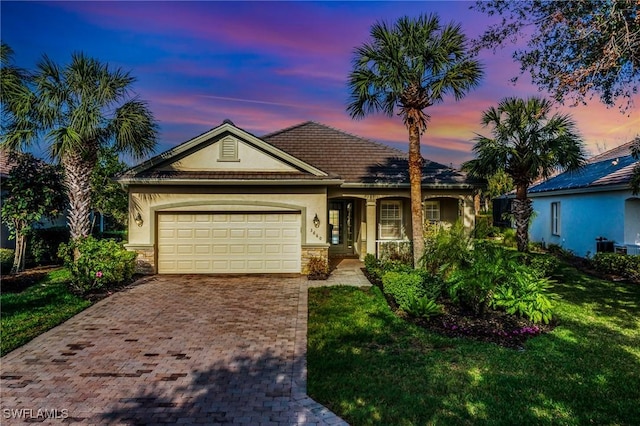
x=341, y=227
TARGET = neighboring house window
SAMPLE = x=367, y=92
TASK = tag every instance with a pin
x=432, y=211
x=390, y=220
x=555, y=218
x=228, y=149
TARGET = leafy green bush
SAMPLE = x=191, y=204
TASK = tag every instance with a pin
x=484, y=227
x=529, y=297
x=475, y=284
x=403, y=287
x=6, y=260
x=423, y=307
x=102, y=263
x=43, y=243
x=509, y=237
x=317, y=268
x=392, y=251
x=617, y=264
x=370, y=262
x=545, y=265
x=445, y=249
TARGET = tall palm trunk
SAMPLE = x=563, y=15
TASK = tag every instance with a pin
x=415, y=180
x=77, y=172
x=521, y=208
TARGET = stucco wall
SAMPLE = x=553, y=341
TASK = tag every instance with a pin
x=583, y=218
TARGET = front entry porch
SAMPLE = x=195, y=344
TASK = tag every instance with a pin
x=380, y=224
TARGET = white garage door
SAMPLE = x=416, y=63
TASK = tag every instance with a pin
x=228, y=243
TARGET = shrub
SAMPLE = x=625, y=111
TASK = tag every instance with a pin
x=393, y=251
x=617, y=264
x=43, y=243
x=529, y=297
x=423, y=307
x=509, y=237
x=102, y=263
x=6, y=260
x=317, y=268
x=403, y=287
x=484, y=227
x=445, y=249
x=545, y=265
x=370, y=262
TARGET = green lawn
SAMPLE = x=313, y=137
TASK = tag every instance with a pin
x=370, y=367
x=37, y=309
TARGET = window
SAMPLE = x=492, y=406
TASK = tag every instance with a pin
x=555, y=218
x=228, y=149
x=390, y=220
x=432, y=211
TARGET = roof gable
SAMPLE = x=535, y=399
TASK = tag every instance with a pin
x=223, y=151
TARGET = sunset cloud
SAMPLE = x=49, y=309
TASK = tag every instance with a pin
x=271, y=65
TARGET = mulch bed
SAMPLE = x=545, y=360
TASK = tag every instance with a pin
x=19, y=282
x=492, y=326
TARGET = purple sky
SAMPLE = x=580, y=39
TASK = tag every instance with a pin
x=271, y=65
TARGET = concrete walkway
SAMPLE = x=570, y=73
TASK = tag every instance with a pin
x=175, y=349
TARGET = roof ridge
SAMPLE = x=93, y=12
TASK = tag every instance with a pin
x=286, y=129
x=606, y=155
x=379, y=144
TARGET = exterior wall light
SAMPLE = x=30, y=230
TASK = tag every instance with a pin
x=138, y=219
x=316, y=221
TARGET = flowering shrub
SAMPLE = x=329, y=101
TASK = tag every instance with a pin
x=101, y=263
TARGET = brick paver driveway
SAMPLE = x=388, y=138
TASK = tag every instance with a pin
x=173, y=349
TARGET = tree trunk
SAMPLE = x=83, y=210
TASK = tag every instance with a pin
x=21, y=248
x=521, y=208
x=415, y=179
x=77, y=179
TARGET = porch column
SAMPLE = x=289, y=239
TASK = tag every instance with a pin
x=371, y=227
x=468, y=212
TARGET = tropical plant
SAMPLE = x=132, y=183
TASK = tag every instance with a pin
x=77, y=109
x=527, y=295
x=475, y=284
x=446, y=249
x=574, y=49
x=528, y=143
x=403, y=70
x=423, y=307
x=34, y=192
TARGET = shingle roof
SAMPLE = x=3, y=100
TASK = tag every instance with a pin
x=357, y=160
x=613, y=167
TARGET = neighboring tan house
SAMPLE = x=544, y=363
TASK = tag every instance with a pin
x=581, y=209
x=229, y=202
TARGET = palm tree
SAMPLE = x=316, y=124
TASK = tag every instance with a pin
x=405, y=69
x=77, y=110
x=528, y=144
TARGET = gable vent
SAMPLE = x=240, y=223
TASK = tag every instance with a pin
x=228, y=149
